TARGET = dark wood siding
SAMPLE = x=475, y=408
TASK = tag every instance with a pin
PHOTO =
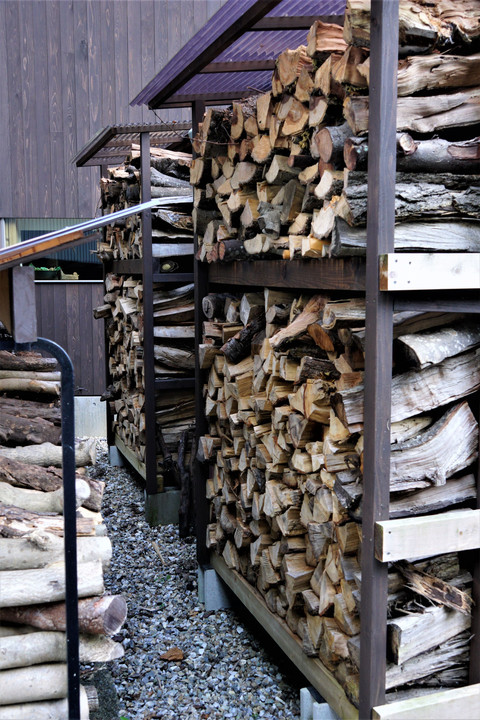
x=71, y=67
x=65, y=315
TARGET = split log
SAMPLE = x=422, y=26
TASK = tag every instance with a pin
x=48, y=710
x=421, y=114
x=310, y=314
x=239, y=346
x=34, y=648
x=42, y=548
x=96, y=615
x=47, y=584
x=423, y=349
x=47, y=454
x=435, y=589
x=412, y=635
x=422, y=25
x=41, y=502
x=437, y=236
x=416, y=392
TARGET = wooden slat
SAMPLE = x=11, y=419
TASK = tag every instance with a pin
x=336, y=274
x=42, y=194
x=108, y=61
x=16, y=135
x=315, y=672
x=55, y=110
x=443, y=533
x=7, y=200
x=129, y=455
x=430, y=271
x=68, y=100
x=462, y=703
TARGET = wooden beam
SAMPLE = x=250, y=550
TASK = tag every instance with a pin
x=430, y=271
x=311, y=668
x=444, y=533
x=456, y=703
x=378, y=349
x=240, y=66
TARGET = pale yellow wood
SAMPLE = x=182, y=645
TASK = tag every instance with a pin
x=430, y=271
x=458, y=703
x=443, y=533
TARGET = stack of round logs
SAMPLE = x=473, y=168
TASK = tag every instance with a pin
x=284, y=174
x=33, y=647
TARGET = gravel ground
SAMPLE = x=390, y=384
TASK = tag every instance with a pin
x=227, y=671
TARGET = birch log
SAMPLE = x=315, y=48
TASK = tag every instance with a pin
x=42, y=502
x=47, y=454
x=48, y=710
x=42, y=548
x=26, y=587
x=34, y=648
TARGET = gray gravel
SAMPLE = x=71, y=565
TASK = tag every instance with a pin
x=226, y=671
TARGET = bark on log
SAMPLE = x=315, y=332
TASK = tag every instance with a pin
x=42, y=548
x=423, y=349
x=24, y=587
x=40, y=387
x=239, y=346
x=47, y=454
x=26, y=361
x=36, y=477
x=96, y=615
x=31, y=409
x=22, y=431
x=15, y=522
x=441, y=235
x=434, y=155
x=34, y=648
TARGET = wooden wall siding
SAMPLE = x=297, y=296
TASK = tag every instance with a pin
x=65, y=315
x=71, y=67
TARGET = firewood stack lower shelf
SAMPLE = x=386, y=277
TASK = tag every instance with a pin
x=284, y=405
x=33, y=643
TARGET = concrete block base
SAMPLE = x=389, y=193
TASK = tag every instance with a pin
x=313, y=706
x=162, y=508
x=114, y=456
x=212, y=591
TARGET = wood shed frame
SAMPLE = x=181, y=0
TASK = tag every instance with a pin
x=178, y=83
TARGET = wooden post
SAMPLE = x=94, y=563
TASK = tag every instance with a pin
x=378, y=374
x=17, y=303
x=201, y=285
x=148, y=359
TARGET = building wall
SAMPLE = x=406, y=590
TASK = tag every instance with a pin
x=70, y=68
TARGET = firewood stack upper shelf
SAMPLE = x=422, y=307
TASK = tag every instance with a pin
x=148, y=262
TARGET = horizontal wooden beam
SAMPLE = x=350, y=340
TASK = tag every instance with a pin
x=430, y=271
x=461, y=703
x=315, y=672
x=427, y=535
x=301, y=22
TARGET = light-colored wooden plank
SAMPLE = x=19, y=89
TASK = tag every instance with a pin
x=428, y=535
x=461, y=703
x=430, y=271
x=130, y=456
x=311, y=668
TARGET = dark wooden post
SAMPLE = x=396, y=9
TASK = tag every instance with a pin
x=378, y=351
x=148, y=359
x=201, y=285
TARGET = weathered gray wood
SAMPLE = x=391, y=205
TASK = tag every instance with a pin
x=41, y=502
x=423, y=349
x=448, y=446
x=43, y=548
x=412, y=635
x=440, y=235
x=47, y=454
x=418, y=391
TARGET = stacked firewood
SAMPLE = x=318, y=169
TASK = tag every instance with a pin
x=173, y=307
x=33, y=646
x=284, y=176
x=284, y=403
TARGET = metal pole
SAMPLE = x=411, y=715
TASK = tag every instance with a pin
x=378, y=350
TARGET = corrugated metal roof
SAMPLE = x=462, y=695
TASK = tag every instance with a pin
x=228, y=38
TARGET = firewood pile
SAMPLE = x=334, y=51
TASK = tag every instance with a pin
x=284, y=175
x=284, y=403
x=173, y=307
x=33, y=646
